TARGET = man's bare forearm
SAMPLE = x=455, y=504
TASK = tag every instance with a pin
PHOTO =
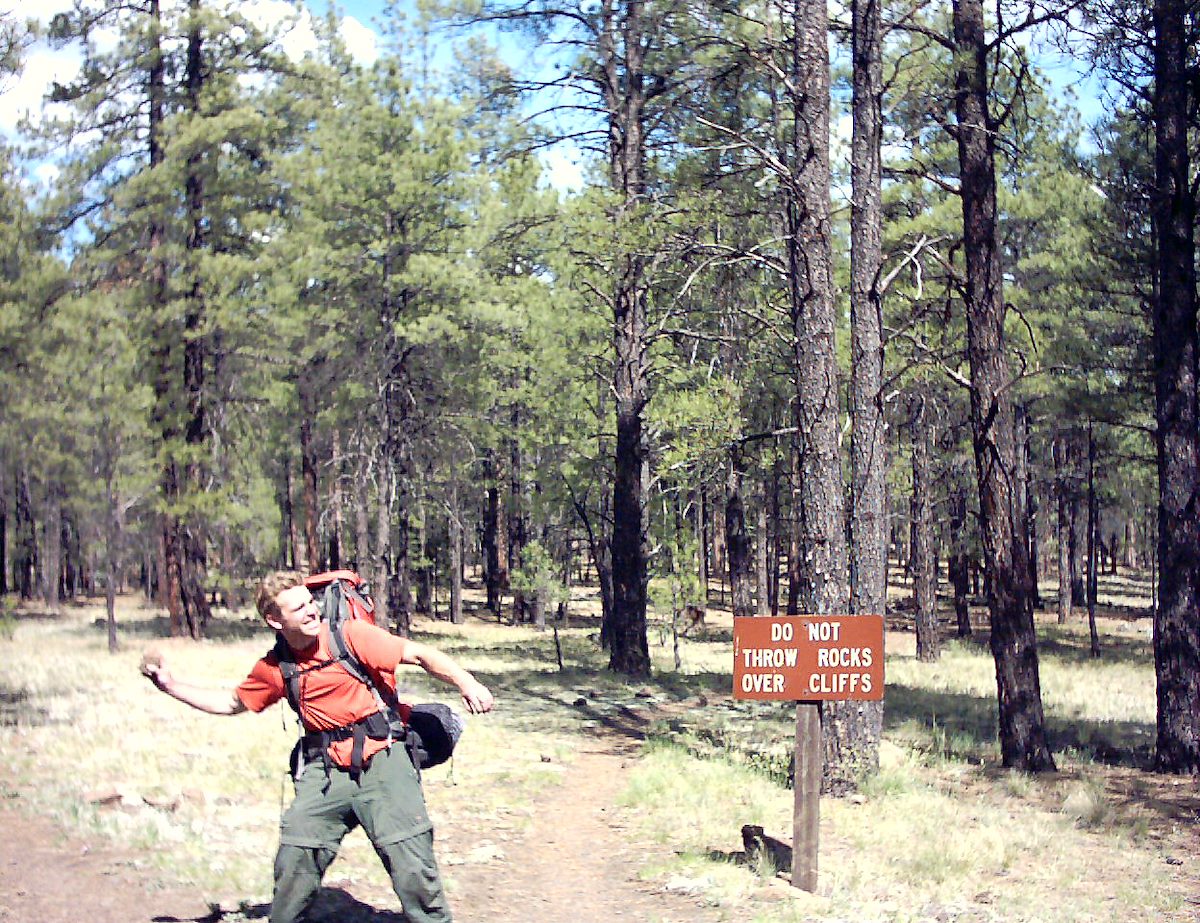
x=476, y=696
x=211, y=701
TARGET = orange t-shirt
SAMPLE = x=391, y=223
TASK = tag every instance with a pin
x=330, y=697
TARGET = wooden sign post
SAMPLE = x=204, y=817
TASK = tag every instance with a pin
x=808, y=660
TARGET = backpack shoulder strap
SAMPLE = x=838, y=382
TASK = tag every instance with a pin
x=340, y=650
x=289, y=671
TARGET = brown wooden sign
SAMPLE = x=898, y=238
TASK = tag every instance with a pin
x=808, y=658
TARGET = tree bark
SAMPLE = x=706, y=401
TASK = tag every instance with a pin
x=362, y=518
x=381, y=570
x=1093, y=541
x=795, y=534
x=623, y=44
x=336, y=504
x=923, y=565
x=288, y=517
x=823, y=586
x=308, y=475
x=1013, y=639
x=1063, y=500
x=52, y=548
x=776, y=535
x=423, y=575
x=868, y=446
x=1177, y=621
x=455, y=536
x=165, y=335
x=762, y=554
x=1025, y=503
x=741, y=564
x=517, y=520
x=1132, y=560
x=4, y=558
x=959, y=565
x=193, y=559
x=495, y=537
x=25, y=558
x=400, y=597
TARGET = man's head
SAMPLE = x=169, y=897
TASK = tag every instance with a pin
x=272, y=585
x=286, y=604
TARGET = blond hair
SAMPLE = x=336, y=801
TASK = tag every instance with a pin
x=272, y=585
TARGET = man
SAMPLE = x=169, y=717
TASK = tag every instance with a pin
x=368, y=781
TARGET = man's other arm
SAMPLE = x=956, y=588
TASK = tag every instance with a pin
x=475, y=695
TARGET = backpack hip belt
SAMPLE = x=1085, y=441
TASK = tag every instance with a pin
x=382, y=725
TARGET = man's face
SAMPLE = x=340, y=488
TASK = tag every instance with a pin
x=298, y=616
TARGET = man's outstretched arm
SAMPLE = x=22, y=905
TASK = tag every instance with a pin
x=212, y=701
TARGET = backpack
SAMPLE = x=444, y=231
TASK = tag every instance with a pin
x=430, y=731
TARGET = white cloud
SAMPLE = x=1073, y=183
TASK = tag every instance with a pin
x=43, y=67
x=296, y=38
x=23, y=96
x=300, y=39
x=361, y=41
x=562, y=167
x=46, y=174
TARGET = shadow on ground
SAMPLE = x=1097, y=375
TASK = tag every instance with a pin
x=332, y=905
x=18, y=710
x=964, y=727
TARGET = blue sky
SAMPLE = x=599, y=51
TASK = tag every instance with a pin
x=360, y=31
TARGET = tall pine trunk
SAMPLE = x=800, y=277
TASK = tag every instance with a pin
x=455, y=537
x=164, y=336
x=823, y=586
x=193, y=569
x=868, y=446
x=741, y=562
x=622, y=45
x=25, y=558
x=1013, y=639
x=1093, y=541
x=762, y=553
x=336, y=504
x=1023, y=502
x=3, y=529
x=381, y=570
x=1032, y=507
x=924, y=567
x=362, y=518
x=308, y=475
x=1177, y=619
x=958, y=564
x=495, y=536
x=1063, y=502
x=518, y=525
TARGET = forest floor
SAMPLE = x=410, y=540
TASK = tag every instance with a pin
x=577, y=863
x=582, y=799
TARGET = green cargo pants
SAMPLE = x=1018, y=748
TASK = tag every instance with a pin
x=388, y=802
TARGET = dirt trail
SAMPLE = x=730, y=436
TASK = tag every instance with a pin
x=46, y=877
x=575, y=864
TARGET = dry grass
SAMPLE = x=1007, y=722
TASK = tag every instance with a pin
x=939, y=834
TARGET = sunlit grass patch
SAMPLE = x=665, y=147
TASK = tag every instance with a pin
x=913, y=840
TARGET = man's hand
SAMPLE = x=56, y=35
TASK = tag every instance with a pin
x=154, y=668
x=477, y=698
